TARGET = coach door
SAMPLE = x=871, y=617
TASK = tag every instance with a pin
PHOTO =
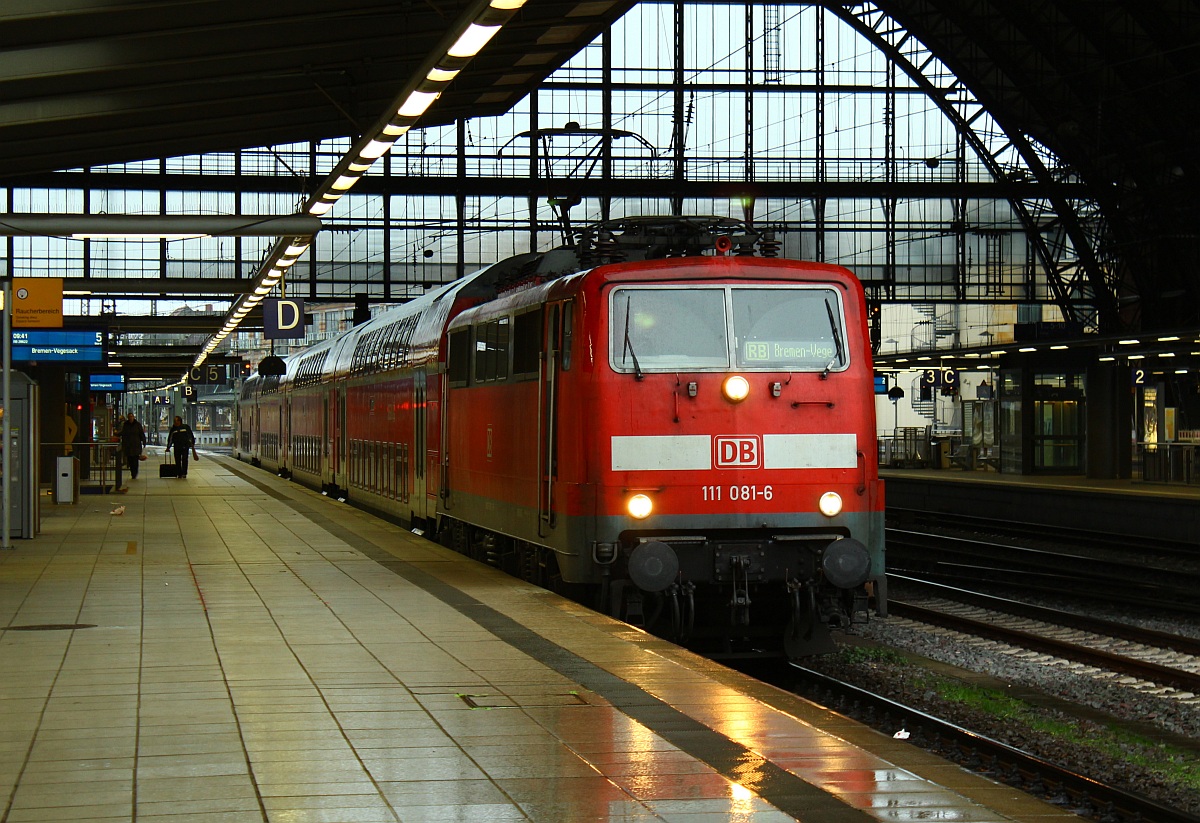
x=335, y=435
x=285, y=433
x=556, y=358
x=426, y=443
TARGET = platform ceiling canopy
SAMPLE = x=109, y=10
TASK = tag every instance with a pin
x=1108, y=85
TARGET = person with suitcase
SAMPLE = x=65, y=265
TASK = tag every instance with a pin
x=181, y=440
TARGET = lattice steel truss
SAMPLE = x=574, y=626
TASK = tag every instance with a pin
x=829, y=124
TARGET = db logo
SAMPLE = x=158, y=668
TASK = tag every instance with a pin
x=737, y=452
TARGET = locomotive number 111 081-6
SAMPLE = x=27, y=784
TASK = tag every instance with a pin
x=715, y=493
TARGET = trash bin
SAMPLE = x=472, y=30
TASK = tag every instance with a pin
x=942, y=449
x=66, y=480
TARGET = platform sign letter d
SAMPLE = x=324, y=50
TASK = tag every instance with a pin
x=283, y=319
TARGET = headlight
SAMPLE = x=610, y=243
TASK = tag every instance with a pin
x=736, y=388
x=831, y=504
x=639, y=506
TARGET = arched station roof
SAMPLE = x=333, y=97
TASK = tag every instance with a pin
x=1109, y=86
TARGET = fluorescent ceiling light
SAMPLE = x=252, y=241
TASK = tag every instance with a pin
x=320, y=207
x=1167, y=339
x=1166, y=354
x=83, y=293
x=393, y=130
x=417, y=103
x=1027, y=349
x=439, y=75
x=344, y=182
x=136, y=238
x=376, y=149
x=1107, y=359
x=1129, y=342
x=472, y=40
x=507, y=5
x=1137, y=357
x=296, y=249
x=1059, y=348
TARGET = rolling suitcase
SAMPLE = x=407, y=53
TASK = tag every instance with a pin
x=167, y=468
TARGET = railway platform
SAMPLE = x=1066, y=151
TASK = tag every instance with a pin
x=234, y=647
x=1132, y=507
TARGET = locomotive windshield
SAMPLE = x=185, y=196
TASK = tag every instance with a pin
x=743, y=327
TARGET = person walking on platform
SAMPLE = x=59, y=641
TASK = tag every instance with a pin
x=133, y=440
x=181, y=439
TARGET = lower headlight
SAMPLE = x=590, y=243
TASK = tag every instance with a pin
x=639, y=506
x=831, y=504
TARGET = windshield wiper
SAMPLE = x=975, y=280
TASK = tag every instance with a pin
x=637, y=369
x=838, y=356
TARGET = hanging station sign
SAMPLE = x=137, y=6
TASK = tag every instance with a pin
x=41, y=346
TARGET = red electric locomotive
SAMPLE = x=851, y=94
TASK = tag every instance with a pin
x=654, y=418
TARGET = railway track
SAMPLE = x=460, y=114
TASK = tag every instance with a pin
x=1040, y=533
x=1140, y=664
x=1091, y=799
x=1131, y=579
x=1147, y=660
x=1102, y=568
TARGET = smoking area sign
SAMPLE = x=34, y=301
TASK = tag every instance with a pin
x=37, y=302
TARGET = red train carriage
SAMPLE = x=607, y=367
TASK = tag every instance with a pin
x=687, y=435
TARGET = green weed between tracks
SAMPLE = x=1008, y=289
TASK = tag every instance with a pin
x=1178, y=766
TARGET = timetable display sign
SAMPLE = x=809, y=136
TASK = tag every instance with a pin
x=57, y=338
x=41, y=345
x=107, y=382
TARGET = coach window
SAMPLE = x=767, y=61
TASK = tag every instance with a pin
x=491, y=351
x=568, y=318
x=527, y=337
x=458, y=356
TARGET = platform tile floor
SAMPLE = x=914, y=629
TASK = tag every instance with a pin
x=221, y=649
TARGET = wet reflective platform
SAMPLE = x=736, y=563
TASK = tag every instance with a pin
x=234, y=647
